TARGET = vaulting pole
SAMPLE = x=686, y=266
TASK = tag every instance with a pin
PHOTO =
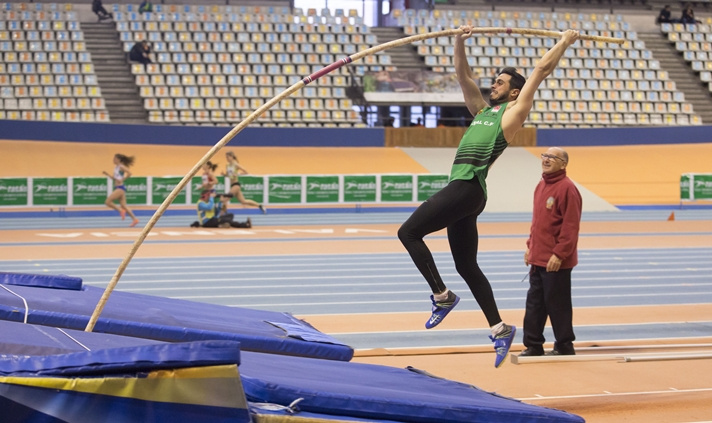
x=286, y=93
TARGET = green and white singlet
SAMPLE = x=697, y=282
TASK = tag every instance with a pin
x=480, y=146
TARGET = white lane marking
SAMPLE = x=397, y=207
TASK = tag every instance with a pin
x=619, y=394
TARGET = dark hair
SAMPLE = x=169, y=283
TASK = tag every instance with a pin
x=125, y=160
x=517, y=81
x=211, y=165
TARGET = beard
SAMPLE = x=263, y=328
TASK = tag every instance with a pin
x=502, y=98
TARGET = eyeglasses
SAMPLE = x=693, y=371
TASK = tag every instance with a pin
x=551, y=156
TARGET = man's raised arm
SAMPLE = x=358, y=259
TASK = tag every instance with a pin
x=518, y=112
x=473, y=97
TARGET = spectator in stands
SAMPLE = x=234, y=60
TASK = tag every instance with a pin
x=233, y=170
x=98, y=8
x=552, y=253
x=688, y=16
x=457, y=206
x=146, y=6
x=141, y=52
x=212, y=214
x=121, y=173
x=665, y=15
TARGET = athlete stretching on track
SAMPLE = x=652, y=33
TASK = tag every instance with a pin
x=457, y=206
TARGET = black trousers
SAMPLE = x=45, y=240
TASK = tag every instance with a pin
x=456, y=208
x=100, y=11
x=549, y=296
x=215, y=222
x=140, y=59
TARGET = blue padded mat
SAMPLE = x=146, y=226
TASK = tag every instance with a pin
x=69, y=305
x=381, y=392
x=102, y=378
x=354, y=391
x=123, y=360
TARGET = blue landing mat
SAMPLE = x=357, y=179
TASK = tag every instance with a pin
x=62, y=301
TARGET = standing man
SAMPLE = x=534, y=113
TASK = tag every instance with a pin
x=551, y=251
x=457, y=206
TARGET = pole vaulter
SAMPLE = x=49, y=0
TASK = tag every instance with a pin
x=286, y=93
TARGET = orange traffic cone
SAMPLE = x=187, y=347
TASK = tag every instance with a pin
x=671, y=217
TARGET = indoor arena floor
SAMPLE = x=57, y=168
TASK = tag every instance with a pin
x=642, y=288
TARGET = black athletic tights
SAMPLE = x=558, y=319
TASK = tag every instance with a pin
x=456, y=208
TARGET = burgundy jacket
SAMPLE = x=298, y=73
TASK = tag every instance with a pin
x=555, y=221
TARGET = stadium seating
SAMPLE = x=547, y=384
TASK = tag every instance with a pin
x=217, y=64
x=595, y=84
x=695, y=44
x=46, y=73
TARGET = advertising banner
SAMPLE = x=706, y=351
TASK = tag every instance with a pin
x=397, y=188
x=359, y=189
x=50, y=191
x=284, y=189
x=13, y=192
x=161, y=187
x=695, y=186
x=253, y=188
x=429, y=185
x=137, y=190
x=278, y=189
x=685, y=192
x=702, y=186
x=323, y=189
x=196, y=186
x=89, y=191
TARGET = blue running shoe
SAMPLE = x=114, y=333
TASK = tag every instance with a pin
x=502, y=342
x=441, y=309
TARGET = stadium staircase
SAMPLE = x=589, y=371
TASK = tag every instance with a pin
x=114, y=73
x=404, y=58
x=685, y=78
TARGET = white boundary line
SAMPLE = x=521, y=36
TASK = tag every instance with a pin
x=622, y=357
x=609, y=394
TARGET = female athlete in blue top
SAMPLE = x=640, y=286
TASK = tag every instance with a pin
x=121, y=173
